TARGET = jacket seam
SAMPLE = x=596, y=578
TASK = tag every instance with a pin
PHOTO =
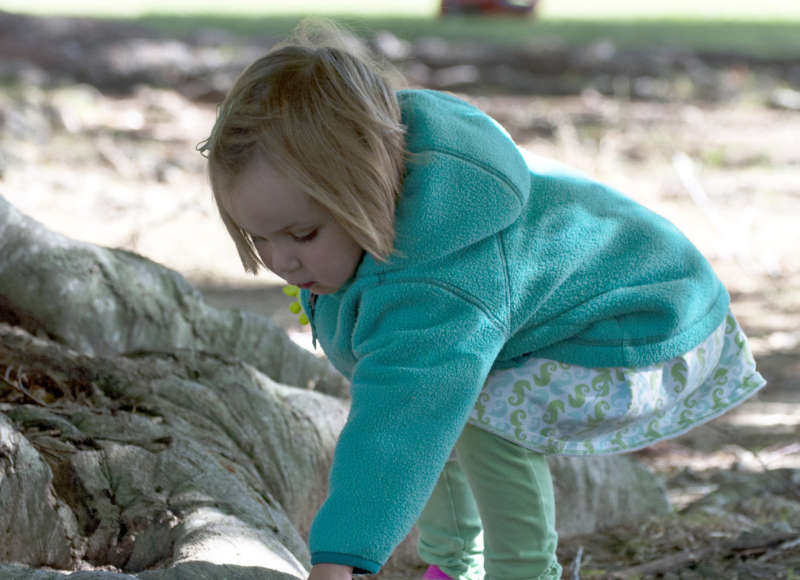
x=467, y=297
x=484, y=167
x=506, y=280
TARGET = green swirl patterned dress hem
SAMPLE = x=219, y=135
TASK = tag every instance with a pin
x=559, y=409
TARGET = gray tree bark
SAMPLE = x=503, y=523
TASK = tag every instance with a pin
x=144, y=434
x=109, y=302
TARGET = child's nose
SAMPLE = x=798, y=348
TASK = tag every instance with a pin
x=284, y=262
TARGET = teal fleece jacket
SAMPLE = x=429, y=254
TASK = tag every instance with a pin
x=501, y=258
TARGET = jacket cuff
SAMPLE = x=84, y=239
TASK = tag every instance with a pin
x=360, y=565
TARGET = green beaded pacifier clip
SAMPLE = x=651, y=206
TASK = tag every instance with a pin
x=296, y=307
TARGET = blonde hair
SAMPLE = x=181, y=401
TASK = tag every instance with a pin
x=326, y=115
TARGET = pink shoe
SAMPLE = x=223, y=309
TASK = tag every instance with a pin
x=435, y=573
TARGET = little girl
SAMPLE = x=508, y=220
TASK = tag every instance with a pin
x=488, y=307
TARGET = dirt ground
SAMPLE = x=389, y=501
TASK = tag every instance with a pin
x=120, y=169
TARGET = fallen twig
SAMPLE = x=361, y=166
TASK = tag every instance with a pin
x=743, y=547
x=783, y=547
x=58, y=408
x=576, y=564
x=748, y=545
x=17, y=384
x=662, y=565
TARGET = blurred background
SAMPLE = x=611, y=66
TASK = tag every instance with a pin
x=691, y=108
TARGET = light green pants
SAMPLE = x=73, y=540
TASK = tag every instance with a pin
x=508, y=489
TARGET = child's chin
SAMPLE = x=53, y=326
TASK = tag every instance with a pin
x=322, y=289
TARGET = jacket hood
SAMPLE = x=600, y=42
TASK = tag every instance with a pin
x=465, y=178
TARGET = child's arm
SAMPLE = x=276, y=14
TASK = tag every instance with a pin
x=423, y=353
x=331, y=572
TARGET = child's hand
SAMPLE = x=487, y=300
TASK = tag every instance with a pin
x=331, y=572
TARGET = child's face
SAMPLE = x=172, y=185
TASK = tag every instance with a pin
x=296, y=237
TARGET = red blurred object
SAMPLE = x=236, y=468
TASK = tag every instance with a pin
x=477, y=7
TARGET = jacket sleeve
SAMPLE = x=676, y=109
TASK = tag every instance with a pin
x=423, y=353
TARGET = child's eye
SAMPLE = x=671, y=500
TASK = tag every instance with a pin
x=306, y=238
